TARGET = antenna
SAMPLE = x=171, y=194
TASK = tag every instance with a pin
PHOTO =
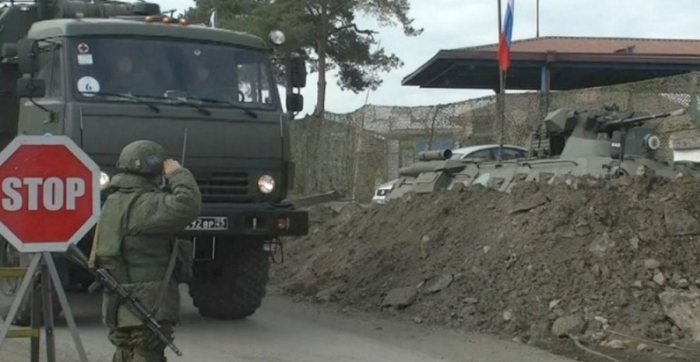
x=184, y=148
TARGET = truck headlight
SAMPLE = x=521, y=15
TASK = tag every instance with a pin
x=266, y=184
x=104, y=180
x=277, y=37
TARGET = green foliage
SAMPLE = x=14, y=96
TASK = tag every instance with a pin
x=352, y=51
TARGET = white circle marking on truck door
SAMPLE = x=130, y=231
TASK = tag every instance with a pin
x=88, y=85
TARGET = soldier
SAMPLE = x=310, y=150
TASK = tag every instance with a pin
x=135, y=242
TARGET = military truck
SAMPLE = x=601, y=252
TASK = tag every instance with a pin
x=107, y=73
x=600, y=143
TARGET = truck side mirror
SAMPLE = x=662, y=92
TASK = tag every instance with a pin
x=295, y=102
x=30, y=87
x=298, y=72
x=27, y=55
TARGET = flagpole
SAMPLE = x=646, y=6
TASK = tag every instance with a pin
x=501, y=90
x=538, y=19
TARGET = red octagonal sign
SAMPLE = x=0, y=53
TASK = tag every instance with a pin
x=49, y=193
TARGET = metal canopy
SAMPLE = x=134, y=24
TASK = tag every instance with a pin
x=478, y=69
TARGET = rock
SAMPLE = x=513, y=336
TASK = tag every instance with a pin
x=564, y=326
x=467, y=311
x=616, y=344
x=439, y=283
x=595, y=269
x=679, y=221
x=682, y=283
x=328, y=294
x=418, y=319
x=659, y=279
x=400, y=297
x=634, y=243
x=637, y=284
x=683, y=308
x=470, y=300
x=601, y=245
x=554, y=303
x=532, y=202
x=652, y=264
x=643, y=347
x=507, y=316
x=324, y=296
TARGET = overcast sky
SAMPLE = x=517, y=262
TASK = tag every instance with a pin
x=452, y=24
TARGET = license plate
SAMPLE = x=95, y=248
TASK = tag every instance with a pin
x=209, y=223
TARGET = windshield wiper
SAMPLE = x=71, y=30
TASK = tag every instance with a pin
x=128, y=96
x=234, y=105
x=186, y=103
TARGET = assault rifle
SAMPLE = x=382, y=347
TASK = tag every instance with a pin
x=116, y=291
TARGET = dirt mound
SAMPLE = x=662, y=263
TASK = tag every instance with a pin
x=602, y=260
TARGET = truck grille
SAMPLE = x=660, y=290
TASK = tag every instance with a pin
x=220, y=187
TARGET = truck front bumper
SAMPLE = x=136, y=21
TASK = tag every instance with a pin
x=254, y=219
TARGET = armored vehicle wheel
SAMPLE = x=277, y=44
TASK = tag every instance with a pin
x=11, y=258
x=232, y=285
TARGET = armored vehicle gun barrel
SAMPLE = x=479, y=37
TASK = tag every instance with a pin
x=619, y=124
x=419, y=168
x=436, y=155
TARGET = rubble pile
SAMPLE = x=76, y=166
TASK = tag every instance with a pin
x=592, y=259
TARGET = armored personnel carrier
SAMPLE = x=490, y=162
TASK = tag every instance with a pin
x=106, y=73
x=598, y=143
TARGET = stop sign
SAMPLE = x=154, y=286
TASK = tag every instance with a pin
x=49, y=193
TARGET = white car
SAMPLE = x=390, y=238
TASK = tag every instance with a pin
x=381, y=192
x=489, y=152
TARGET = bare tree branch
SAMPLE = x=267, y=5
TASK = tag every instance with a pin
x=353, y=25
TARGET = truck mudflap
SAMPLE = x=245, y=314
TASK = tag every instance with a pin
x=254, y=219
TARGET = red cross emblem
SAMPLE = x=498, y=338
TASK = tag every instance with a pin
x=83, y=48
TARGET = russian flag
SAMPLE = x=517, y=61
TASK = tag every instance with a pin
x=504, y=41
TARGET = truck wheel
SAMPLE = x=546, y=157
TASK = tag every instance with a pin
x=232, y=285
x=11, y=258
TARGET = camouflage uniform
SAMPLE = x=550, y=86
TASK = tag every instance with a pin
x=134, y=240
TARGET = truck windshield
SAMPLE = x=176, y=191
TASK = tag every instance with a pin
x=211, y=73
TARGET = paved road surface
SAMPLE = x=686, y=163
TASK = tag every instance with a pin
x=284, y=331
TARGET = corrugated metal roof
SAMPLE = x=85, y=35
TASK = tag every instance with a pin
x=563, y=44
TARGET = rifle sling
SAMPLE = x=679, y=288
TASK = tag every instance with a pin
x=166, y=280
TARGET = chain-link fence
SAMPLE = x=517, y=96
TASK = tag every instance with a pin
x=354, y=153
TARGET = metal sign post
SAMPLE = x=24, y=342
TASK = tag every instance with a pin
x=48, y=181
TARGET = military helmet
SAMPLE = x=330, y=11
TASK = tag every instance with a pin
x=142, y=157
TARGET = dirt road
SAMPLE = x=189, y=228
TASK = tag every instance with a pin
x=288, y=331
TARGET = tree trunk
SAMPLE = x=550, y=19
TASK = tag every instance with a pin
x=319, y=114
x=321, y=46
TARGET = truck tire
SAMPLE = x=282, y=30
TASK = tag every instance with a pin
x=10, y=258
x=233, y=285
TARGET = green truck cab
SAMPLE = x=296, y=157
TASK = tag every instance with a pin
x=107, y=73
